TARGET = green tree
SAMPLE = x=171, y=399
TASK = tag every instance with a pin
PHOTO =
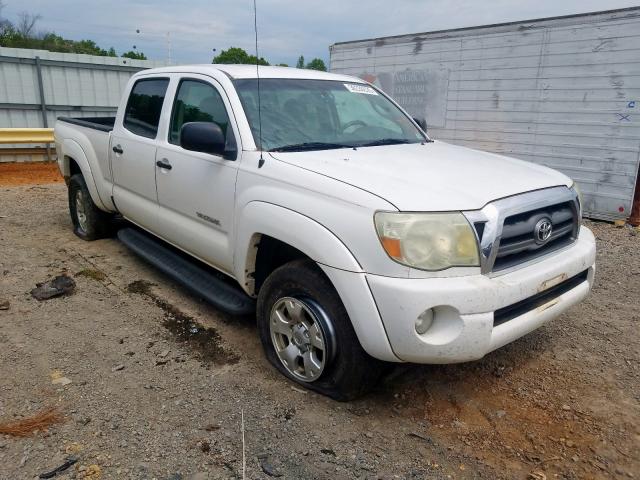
x=23, y=35
x=300, y=63
x=235, y=55
x=316, y=64
x=134, y=55
x=89, y=47
x=282, y=65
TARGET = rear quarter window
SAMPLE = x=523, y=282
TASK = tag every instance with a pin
x=144, y=106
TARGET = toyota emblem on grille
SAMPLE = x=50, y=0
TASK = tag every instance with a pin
x=542, y=230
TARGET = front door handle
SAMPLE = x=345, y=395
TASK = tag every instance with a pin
x=163, y=164
x=118, y=149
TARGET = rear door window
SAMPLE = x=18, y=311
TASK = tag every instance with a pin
x=144, y=106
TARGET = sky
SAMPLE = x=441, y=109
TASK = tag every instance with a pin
x=189, y=31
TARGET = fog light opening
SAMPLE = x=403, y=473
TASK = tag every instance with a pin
x=424, y=321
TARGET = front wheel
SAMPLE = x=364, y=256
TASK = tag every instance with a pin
x=89, y=222
x=307, y=335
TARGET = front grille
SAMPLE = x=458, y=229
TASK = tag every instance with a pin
x=520, y=308
x=518, y=243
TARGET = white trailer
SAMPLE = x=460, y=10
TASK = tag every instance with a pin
x=562, y=92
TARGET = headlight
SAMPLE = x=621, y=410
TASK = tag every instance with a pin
x=428, y=241
x=579, y=193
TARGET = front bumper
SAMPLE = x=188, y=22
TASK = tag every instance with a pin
x=463, y=327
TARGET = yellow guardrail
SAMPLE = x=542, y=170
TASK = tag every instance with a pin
x=26, y=135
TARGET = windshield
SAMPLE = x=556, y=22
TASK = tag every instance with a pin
x=302, y=114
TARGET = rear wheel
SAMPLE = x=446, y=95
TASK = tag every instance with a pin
x=307, y=335
x=89, y=222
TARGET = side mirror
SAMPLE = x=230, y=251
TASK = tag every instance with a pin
x=206, y=137
x=422, y=123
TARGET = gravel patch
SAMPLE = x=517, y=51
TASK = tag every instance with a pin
x=158, y=381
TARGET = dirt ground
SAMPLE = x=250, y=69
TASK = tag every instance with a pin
x=160, y=381
x=29, y=174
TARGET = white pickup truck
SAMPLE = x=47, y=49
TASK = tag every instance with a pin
x=356, y=238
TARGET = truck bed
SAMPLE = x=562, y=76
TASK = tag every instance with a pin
x=104, y=124
x=86, y=138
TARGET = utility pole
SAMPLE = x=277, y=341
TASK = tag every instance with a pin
x=169, y=47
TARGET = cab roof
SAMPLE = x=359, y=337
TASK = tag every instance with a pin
x=249, y=71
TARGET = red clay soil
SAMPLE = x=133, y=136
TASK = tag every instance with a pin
x=29, y=174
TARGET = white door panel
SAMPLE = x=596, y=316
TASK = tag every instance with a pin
x=134, y=171
x=196, y=196
x=133, y=152
x=196, y=204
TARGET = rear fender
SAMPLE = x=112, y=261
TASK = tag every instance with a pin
x=73, y=150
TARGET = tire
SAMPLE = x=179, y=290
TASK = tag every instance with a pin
x=89, y=222
x=341, y=369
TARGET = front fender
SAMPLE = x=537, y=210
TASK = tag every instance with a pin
x=325, y=248
x=310, y=237
x=72, y=149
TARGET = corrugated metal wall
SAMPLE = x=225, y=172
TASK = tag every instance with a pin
x=562, y=92
x=73, y=85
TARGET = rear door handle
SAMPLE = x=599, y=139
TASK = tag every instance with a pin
x=118, y=149
x=164, y=164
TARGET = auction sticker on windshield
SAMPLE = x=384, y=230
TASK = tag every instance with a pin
x=359, y=88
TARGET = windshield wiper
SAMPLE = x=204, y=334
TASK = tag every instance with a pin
x=385, y=141
x=300, y=147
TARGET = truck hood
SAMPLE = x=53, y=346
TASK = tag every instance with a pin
x=432, y=177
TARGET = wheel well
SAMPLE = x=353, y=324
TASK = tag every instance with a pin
x=73, y=167
x=271, y=254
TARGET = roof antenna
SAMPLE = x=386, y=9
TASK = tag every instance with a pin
x=255, y=27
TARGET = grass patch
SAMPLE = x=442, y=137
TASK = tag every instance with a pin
x=94, y=274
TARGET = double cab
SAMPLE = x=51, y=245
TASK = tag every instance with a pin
x=315, y=201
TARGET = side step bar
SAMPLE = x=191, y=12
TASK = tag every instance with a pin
x=194, y=277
